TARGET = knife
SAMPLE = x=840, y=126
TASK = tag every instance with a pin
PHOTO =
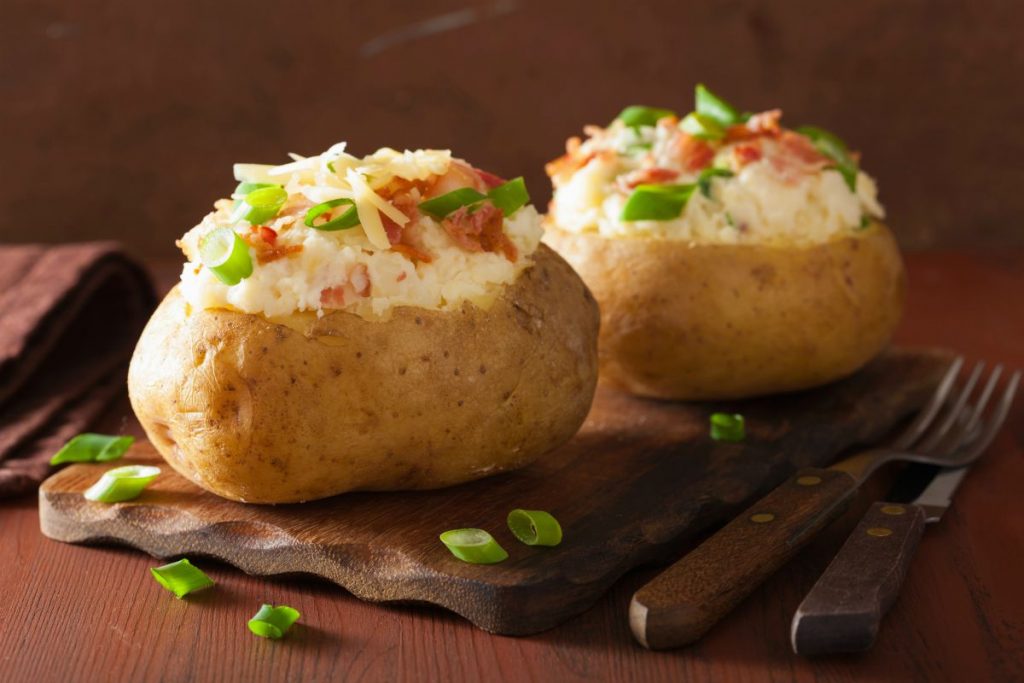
x=844, y=609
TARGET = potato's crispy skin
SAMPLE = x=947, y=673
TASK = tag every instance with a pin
x=302, y=408
x=706, y=322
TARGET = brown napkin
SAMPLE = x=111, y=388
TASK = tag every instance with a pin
x=69, y=318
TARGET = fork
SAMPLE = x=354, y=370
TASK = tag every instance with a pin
x=682, y=603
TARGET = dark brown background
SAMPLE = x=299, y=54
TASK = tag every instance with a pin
x=121, y=118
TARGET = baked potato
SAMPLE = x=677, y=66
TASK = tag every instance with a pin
x=277, y=404
x=730, y=257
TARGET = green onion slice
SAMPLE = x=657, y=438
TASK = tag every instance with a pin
x=122, y=483
x=260, y=205
x=637, y=115
x=715, y=108
x=475, y=546
x=726, y=427
x=865, y=221
x=441, y=206
x=510, y=196
x=535, y=527
x=836, y=150
x=246, y=187
x=92, y=448
x=656, y=202
x=348, y=219
x=702, y=126
x=181, y=577
x=273, y=622
x=226, y=254
x=704, y=180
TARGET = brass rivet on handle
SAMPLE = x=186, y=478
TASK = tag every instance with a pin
x=808, y=480
x=761, y=517
x=893, y=509
x=879, y=531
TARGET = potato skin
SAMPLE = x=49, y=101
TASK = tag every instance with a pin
x=303, y=408
x=707, y=322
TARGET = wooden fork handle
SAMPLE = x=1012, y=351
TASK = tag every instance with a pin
x=844, y=609
x=687, y=599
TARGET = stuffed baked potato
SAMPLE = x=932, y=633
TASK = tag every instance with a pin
x=730, y=257
x=408, y=355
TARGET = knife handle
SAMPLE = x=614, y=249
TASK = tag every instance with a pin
x=682, y=603
x=844, y=609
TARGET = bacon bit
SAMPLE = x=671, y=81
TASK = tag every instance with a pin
x=765, y=123
x=401, y=276
x=332, y=297
x=412, y=253
x=277, y=252
x=747, y=153
x=489, y=178
x=694, y=154
x=267, y=250
x=647, y=176
x=802, y=149
x=795, y=157
x=481, y=230
x=391, y=228
x=358, y=285
x=268, y=235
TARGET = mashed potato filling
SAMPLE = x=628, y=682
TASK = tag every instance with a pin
x=395, y=256
x=761, y=184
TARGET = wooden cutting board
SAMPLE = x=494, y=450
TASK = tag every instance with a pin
x=639, y=479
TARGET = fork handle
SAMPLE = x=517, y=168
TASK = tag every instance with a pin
x=682, y=603
x=844, y=609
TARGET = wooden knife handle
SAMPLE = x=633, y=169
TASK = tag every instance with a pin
x=844, y=609
x=687, y=599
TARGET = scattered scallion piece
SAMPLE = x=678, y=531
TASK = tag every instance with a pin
x=440, y=206
x=704, y=180
x=702, y=126
x=638, y=115
x=510, y=196
x=475, y=546
x=836, y=150
x=348, y=219
x=535, y=527
x=714, y=107
x=726, y=427
x=865, y=221
x=656, y=202
x=260, y=205
x=273, y=622
x=226, y=254
x=181, y=577
x=92, y=448
x=246, y=187
x=122, y=483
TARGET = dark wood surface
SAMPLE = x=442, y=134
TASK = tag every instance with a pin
x=84, y=614
x=686, y=600
x=640, y=478
x=844, y=609
x=123, y=121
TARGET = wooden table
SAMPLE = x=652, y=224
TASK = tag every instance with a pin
x=72, y=613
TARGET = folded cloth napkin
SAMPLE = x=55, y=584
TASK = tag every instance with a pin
x=69, y=318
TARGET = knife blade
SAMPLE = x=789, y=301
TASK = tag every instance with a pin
x=844, y=609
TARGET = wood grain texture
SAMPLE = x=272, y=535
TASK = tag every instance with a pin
x=638, y=478
x=844, y=609
x=74, y=613
x=153, y=103
x=686, y=600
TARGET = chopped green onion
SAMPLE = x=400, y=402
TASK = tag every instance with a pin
x=865, y=221
x=656, y=202
x=273, y=622
x=730, y=220
x=348, y=219
x=181, y=577
x=92, y=448
x=704, y=180
x=245, y=187
x=510, y=196
x=702, y=126
x=330, y=167
x=835, y=149
x=441, y=206
x=226, y=254
x=726, y=427
x=637, y=115
x=475, y=546
x=122, y=483
x=714, y=107
x=535, y=527
x=260, y=205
